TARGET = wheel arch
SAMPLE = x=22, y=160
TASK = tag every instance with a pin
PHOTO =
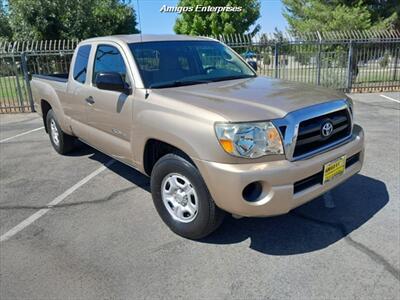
x=154, y=149
x=45, y=106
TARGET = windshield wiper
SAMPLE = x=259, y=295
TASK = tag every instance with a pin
x=233, y=77
x=177, y=83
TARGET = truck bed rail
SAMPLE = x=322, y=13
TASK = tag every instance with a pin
x=63, y=77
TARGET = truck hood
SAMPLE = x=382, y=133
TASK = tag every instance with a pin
x=250, y=99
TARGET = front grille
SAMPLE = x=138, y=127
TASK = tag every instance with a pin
x=309, y=137
x=317, y=178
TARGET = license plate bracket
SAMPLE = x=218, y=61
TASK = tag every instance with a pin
x=334, y=169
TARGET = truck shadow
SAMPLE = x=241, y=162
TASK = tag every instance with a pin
x=307, y=228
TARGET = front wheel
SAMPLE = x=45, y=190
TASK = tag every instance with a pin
x=182, y=199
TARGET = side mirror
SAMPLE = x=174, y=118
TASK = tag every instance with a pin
x=253, y=64
x=112, y=82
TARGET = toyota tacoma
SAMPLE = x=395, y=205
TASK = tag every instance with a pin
x=213, y=136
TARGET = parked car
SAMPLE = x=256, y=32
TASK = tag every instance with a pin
x=214, y=137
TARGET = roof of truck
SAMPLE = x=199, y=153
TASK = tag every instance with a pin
x=138, y=38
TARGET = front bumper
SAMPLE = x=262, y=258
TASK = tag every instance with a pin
x=227, y=181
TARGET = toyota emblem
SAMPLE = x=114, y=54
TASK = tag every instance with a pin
x=327, y=129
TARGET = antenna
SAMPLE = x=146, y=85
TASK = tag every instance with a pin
x=146, y=95
x=140, y=22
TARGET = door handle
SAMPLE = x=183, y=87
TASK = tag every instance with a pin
x=90, y=100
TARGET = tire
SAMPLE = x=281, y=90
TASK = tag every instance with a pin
x=61, y=142
x=207, y=216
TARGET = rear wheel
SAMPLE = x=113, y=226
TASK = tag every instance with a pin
x=182, y=199
x=62, y=142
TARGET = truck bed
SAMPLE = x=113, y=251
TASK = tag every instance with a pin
x=45, y=85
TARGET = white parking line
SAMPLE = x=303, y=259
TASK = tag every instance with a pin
x=384, y=96
x=21, y=134
x=28, y=221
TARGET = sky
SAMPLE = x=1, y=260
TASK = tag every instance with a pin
x=153, y=21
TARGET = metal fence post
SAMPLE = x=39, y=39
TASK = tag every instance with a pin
x=17, y=83
x=276, y=58
x=24, y=64
x=349, y=67
x=395, y=65
x=319, y=59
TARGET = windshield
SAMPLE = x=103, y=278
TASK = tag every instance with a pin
x=177, y=63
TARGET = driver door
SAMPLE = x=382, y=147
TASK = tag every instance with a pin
x=110, y=112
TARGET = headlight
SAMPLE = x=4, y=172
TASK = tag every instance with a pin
x=249, y=140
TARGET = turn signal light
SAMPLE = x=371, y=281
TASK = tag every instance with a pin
x=227, y=145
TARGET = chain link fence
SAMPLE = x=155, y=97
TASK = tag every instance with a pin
x=353, y=61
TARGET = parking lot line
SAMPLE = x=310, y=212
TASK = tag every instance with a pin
x=21, y=134
x=28, y=221
x=384, y=96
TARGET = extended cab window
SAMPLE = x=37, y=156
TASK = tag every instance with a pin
x=81, y=62
x=109, y=59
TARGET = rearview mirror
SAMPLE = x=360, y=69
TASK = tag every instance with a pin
x=253, y=64
x=112, y=81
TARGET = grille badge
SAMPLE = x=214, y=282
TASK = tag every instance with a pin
x=327, y=129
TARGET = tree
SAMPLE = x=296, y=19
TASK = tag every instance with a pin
x=213, y=23
x=336, y=15
x=5, y=29
x=67, y=19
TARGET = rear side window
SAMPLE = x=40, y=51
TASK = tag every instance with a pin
x=108, y=59
x=81, y=62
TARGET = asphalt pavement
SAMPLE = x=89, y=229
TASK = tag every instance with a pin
x=101, y=237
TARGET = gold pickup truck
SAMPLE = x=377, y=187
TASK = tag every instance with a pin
x=194, y=116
